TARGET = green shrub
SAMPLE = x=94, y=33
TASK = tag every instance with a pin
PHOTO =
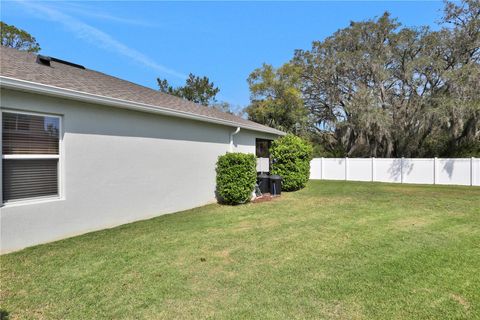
x=236, y=177
x=291, y=156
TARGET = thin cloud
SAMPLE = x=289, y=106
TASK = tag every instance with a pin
x=74, y=7
x=96, y=36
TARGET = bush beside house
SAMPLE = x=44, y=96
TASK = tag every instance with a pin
x=236, y=177
x=291, y=156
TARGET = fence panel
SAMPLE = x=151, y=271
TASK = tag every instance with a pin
x=316, y=168
x=334, y=168
x=418, y=170
x=455, y=171
x=359, y=169
x=475, y=172
x=388, y=170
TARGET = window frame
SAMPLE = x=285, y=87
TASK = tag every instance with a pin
x=59, y=157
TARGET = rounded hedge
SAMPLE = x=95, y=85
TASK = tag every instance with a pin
x=291, y=160
x=236, y=177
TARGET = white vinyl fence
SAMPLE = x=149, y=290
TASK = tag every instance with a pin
x=457, y=171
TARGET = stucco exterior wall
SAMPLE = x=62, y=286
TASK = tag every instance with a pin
x=117, y=166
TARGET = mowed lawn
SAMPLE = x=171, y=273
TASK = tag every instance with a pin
x=335, y=250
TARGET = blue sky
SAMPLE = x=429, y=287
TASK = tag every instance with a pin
x=140, y=41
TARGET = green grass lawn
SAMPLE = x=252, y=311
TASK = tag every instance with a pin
x=335, y=250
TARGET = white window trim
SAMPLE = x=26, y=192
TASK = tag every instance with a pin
x=59, y=156
x=31, y=156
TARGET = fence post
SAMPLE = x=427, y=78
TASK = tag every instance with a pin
x=321, y=168
x=346, y=168
x=435, y=170
x=401, y=170
x=471, y=171
x=373, y=169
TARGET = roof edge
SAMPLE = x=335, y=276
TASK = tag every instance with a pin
x=34, y=87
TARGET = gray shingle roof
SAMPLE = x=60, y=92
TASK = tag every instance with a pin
x=23, y=66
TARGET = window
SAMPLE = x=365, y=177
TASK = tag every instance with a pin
x=263, y=148
x=30, y=156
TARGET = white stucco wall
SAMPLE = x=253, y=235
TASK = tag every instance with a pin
x=118, y=166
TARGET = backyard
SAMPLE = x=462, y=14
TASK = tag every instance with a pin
x=334, y=250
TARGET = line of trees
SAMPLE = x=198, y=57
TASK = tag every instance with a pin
x=375, y=88
x=379, y=89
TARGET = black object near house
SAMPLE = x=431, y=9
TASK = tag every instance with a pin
x=263, y=181
x=275, y=185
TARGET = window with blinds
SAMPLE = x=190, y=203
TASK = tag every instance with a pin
x=30, y=156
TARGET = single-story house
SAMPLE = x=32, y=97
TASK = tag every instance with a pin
x=84, y=151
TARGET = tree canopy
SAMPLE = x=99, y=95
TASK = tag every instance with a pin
x=13, y=37
x=276, y=98
x=196, y=89
x=377, y=88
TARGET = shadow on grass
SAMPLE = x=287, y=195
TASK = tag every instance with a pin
x=4, y=315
